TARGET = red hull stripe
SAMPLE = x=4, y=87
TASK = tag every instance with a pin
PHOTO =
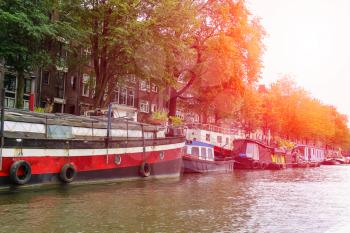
x=53, y=164
x=164, y=169
x=17, y=152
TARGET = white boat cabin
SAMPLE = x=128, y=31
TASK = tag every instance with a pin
x=201, y=150
x=310, y=153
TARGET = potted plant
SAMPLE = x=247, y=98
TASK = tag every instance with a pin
x=158, y=117
x=175, y=121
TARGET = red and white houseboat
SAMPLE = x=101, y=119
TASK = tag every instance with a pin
x=43, y=148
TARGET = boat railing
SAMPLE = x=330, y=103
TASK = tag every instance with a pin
x=66, y=126
x=213, y=128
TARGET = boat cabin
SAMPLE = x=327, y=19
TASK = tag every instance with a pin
x=252, y=149
x=305, y=153
x=200, y=150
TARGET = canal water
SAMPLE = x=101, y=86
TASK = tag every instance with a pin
x=293, y=200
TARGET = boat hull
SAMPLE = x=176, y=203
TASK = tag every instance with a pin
x=195, y=165
x=331, y=162
x=250, y=164
x=96, y=164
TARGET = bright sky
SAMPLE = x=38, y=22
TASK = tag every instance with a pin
x=310, y=40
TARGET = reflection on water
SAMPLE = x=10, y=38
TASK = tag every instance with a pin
x=294, y=200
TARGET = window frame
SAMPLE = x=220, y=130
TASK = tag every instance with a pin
x=144, y=106
x=85, y=86
x=154, y=88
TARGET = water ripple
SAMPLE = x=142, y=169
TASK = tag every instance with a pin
x=293, y=200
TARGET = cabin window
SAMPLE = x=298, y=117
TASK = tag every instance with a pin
x=227, y=141
x=195, y=151
x=186, y=149
x=219, y=139
x=210, y=154
x=207, y=137
x=252, y=151
x=203, y=152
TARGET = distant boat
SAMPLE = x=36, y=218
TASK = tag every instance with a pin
x=331, y=162
x=199, y=158
x=307, y=156
x=253, y=154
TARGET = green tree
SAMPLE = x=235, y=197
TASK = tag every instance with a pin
x=27, y=30
x=24, y=26
x=132, y=37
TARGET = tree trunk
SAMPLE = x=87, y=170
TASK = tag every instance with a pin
x=103, y=77
x=20, y=89
x=172, y=102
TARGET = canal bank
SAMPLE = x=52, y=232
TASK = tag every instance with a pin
x=291, y=200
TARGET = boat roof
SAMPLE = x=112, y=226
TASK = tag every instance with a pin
x=197, y=143
x=254, y=141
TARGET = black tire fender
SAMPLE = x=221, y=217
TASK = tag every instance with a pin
x=20, y=179
x=145, y=169
x=68, y=173
x=256, y=165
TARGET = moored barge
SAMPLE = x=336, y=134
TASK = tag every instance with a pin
x=43, y=148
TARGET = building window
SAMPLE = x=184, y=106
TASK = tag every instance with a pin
x=153, y=107
x=26, y=104
x=196, y=118
x=144, y=106
x=116, y=95
x=227, y=141
x=207, y=137
x=131, y=78
x=179, y=114
x=27, y=86
x=46, y=78
x=154, y=88
x=10, y=83
x=27, y=91
x=131, y=97
x=73, y=82
x=144, y=85
x=219, y=139
x=86, y=85
x=123, y=96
